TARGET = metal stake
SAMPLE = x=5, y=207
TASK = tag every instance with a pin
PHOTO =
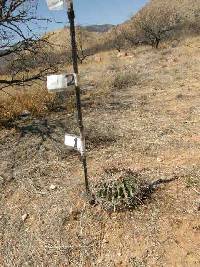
x=71, y=16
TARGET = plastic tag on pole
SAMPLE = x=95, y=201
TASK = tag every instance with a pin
x=74, y=142
x=61, y=82
x=55, y=4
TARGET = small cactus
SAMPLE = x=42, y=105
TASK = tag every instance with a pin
x=125, y=188
x=120, y=189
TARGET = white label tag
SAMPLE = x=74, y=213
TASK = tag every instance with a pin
x=58, y=83
x=74, y=142
x=55, y=4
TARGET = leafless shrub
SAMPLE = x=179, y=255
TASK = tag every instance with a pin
x=19, y=42
x=155, y=22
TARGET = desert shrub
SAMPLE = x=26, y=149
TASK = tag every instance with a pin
x=116, y=80
x=124, y=79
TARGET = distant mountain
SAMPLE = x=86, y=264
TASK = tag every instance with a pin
x=98, y=28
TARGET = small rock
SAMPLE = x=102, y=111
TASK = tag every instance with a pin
x=24, y=217
x=52, y=187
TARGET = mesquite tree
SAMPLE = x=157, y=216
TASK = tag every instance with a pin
x=23, y=57
x=118, y=38
x=82, y=39
x=155, y=22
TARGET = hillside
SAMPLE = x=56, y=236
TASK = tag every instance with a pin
x=60, y=38
x=156, y=19
x=141, y=112
x=99, y=28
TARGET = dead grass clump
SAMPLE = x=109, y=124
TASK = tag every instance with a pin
x=100, y=140
x=124, y=79
x=100, y=136
x=13, y=105
x=192, y=178
x=105, y=85
x=38, y=102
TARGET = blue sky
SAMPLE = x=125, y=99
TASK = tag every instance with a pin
x=94, y=12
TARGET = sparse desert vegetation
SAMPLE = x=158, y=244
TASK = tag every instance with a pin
x=142, y=119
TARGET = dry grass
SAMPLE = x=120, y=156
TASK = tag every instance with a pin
x=37, y=101
x=124, y=79
x=151, y=127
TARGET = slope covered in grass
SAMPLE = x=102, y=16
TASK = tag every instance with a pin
x=146, y=121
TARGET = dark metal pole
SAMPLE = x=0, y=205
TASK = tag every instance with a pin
x=71, y=16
